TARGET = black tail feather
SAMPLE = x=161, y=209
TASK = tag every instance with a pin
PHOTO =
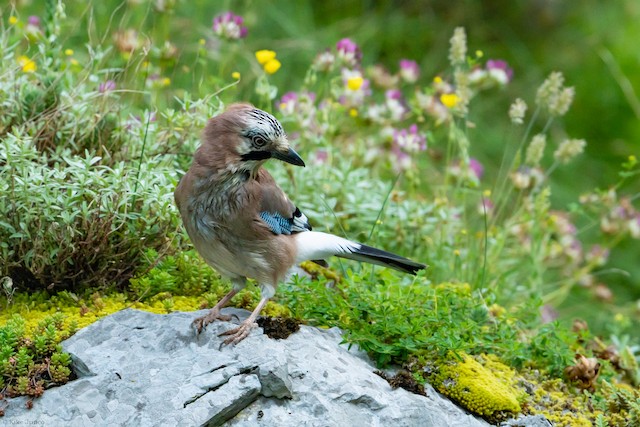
x=387, y=259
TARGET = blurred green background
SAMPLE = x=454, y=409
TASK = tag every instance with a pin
x=594, y=43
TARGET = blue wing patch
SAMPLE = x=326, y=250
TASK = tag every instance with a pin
x=277, y=223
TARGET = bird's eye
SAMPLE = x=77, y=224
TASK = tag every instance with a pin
x=258, y=141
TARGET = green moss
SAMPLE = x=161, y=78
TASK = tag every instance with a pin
x=484, y=390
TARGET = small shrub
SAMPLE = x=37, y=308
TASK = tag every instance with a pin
x=77, y=221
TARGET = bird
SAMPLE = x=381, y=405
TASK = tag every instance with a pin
x=243, y=224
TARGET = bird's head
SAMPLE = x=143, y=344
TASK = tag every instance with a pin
x=246, y=137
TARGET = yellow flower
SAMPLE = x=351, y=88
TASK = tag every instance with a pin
x=486, y=193
x=456, y=252
x=354, y=83
x=235, y=75
x=13, y=20
x=68, y=52
x=264, y=56
x=28, y=65
x=74, y=61
x=479, y=54
x=354, y=113
x=437, y=79
x=449, y=100
x=166, y=81
x=272, y=66
x=202, y=42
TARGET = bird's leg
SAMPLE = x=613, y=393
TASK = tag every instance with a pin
x=214, y=314
x=241, y=332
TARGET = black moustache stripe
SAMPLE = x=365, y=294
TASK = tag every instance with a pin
x=256, y=155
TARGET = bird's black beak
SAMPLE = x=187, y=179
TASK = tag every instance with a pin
x=290, y=157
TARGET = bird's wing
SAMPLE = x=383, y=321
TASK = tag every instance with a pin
x=277, y=212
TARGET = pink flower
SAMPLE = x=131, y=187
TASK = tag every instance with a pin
x=346, y=45
x=107, y=86
x=470, y=172
x=348, y=52
x=393, y=94
x=33, y=21
x=409, y=70
x=292, y=102
x=485, y=206
x=476, y=167
x=229, y=26
x=321, y=156
x=406, y=142
x=500, y=70
x=289, y=97
x=409, y=140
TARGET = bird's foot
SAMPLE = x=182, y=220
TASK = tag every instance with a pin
x=238, y=334
x=214, y=314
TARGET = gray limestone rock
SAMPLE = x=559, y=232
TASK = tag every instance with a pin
x=142, y=369
x=528, y=421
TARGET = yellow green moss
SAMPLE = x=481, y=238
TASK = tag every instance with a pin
x=552, y=399
x=487, y=387
x=78, y=313
x=483, y=390
x=316, y=270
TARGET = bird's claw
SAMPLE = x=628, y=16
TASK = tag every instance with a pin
x=237, y=334
x=201, y=322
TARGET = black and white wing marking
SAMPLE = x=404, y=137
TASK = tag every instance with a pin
x=278, y=224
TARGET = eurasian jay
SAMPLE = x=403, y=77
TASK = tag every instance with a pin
x=242, y=223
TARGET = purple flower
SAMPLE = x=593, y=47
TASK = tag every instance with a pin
x=346, y=45
x=33, y=21
x=289, y=96
x=229, y=26
x=500, y=70
x=348, y=52
x=288, y=103
x=393, y=94
x=294, y=101
x=107, y=86
x=485, y=206
x=321, y=156
x=395, y=105
x=468, y=172
x=405, y=143
x=476, y=167
x=409, y=140
x=409, y=70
